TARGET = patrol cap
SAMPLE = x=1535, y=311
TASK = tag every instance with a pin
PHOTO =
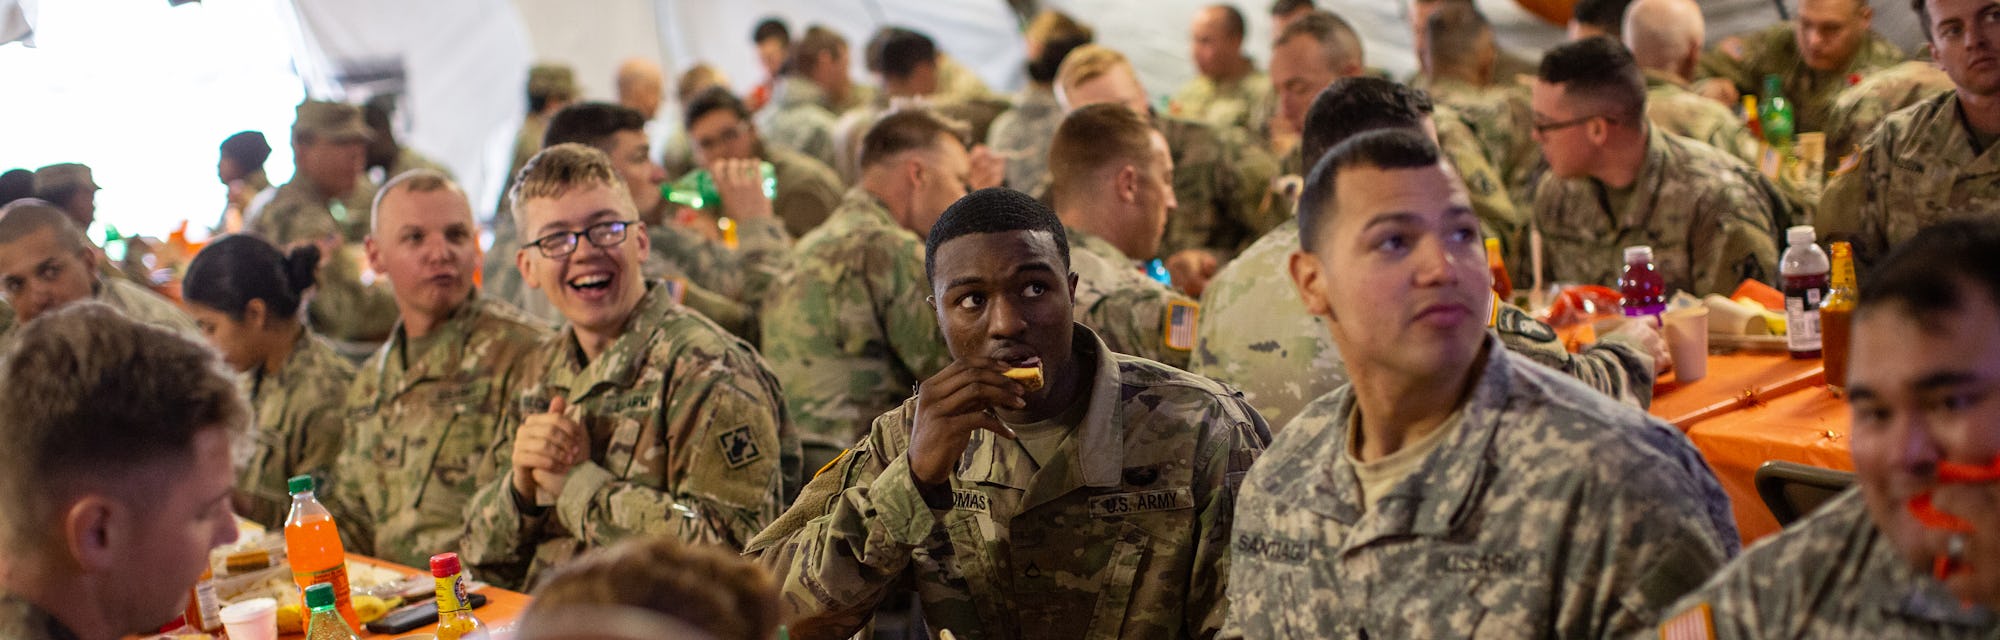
x=330, y=121
x=551, y=80
x=67, y=175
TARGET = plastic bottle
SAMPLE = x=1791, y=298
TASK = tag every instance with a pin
x=1503, y=285
x=697, y=189
x=312, y=545
x=455, y=619
x=1643, y=288
x=326, y=621
x=204, y=609
x=1776, y=113
x=1750, y=119
x=1834, y=320
x=1805, y=269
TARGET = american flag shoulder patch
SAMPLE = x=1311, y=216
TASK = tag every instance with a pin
x=676, y=289
x=1180, y=324
x=1692, y=624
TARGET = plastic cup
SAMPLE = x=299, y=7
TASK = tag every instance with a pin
x=255, y=619
x=1687, y=340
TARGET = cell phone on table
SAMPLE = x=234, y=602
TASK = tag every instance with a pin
x=417, y=615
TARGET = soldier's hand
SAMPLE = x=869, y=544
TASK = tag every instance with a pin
x=1641, y=334
x=1719, y=90
x=740, y=182
x=950, y=406
x=988, y=168
x=1977, y=579
x=546, y=445
x=1192, y=269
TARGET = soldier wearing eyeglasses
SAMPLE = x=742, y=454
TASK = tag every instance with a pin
x=642, y=416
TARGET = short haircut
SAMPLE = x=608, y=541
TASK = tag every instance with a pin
x=1660, y=33
x=1286, y=7
x=771, y=28
x=993, y=210
x=711, y=100
x=908, y=129
x=896, y=52
x=248, y=149
x=1601, y=71
x=1606, y=15
x=1342, y=45
x=232, y=271
x=1092, y=138
x=413, y=181
x=1351, y=106
x=721, y=593
x=16, y=184
x=1059, y=34
x=29, y=216
x=557, y=170
x=1232, y=20
x=591, y=123
x=1453, y=34
x=816, y=41
x=1930, y=273
x=1398, y=148
x=85, y=393
x=1087, y=63
x=697, y=79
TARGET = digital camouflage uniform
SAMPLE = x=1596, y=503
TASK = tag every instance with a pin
x=1219, y=182
x=301, y=417
x=1710, y=219
x=423, y=437
x=343, y=308
x=688, y=440
x=1022, y=136
x=1833, y=575
x=1775, y=50
x=1244, y=104
x=1857, y=110
x=1136, y=315
x=849, y=332
x=1123, y=535
x=1919, y=168
x=22, y=620
x=1257, y=336
x=798, y=118
x=1546, y=510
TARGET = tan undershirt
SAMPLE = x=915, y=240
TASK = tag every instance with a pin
x=1382, y=474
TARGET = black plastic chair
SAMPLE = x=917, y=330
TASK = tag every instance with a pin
x=1791, y=490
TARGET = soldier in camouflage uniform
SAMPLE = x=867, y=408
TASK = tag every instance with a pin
x=46, y=263
x=1814, y=55
x=1445, y=491
x=1104, y=510
x=719, y=125
x=640, y=417
x=424, y=411
x=1113, y=191
x=1021, y=135
x=812, y=95
x=327, y=203
x=1228, y=92
x=1461, y=57
x=1616, y=181
x=1859, y=109
x=1863, y=565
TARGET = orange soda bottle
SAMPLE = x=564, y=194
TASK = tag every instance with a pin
x=312, y=544
x=1503, y=285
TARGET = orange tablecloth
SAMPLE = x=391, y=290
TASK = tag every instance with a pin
x=503, y=608
x=1733, y=380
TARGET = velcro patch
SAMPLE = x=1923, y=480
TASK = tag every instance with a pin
x=1180, y=324
x=1125, y=504
x=676, y=290
x=1694, y=624
x=968, y=500
x=739, y=447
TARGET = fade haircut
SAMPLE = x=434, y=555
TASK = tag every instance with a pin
x=1931, y=273
x=1335, y=36
x=413, y=181
x=896, y=52
x=721, y=593
x=909, y=129
x=817, y=40
x=1087, y=63
x=28, y=216
x=559, y=169
x=1600, y=71
x=1453, y=34
x=1399, y=148
x=87, y=393
x=1606, y=15
x=994, y=210
x=591, y=123
x=1093, y=138
x=1351, y=106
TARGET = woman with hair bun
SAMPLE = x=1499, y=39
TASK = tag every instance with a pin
x=246, y=297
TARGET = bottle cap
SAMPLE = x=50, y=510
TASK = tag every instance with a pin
x=1492, y=245
x=1641, y=252
x=1802, y=234
x=1842, y=249
x=444, y=565
x=319, y=595
x=299, y=484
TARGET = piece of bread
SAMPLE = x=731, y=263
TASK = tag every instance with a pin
x=1029, y=377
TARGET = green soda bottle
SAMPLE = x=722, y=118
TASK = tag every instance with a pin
x=1776, y=114
x=696, y=190
x=325, y=622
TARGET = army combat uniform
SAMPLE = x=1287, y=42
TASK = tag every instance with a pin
x=1123, y=533
x=301, y=421
x=1135, y=315
x=1219, y=180
x=1711, y=220
x=1022, y=137
x=1833, y=575
x=22, y=620
x=144, y=305
x=1921, y=167
x=797, y=118
x=1257, y=336
x=424, y=431
x=1676, y=110
x=688, y=440
x=849, y=332
x=1243, y=104
x=1775, y=50
x=343, y=308
x=1859, y=109
x=1543, y=510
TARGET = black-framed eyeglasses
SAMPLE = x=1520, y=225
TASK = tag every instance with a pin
x=1543, y=128
x=563, y=243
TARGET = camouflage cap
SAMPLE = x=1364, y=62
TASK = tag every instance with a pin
x=64, y=175
x=552, y=80
x=331, y=121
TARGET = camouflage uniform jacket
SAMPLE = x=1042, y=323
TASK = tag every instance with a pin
x=798, y=118
x=688, y=439
x=1859, y=109
x=22, y=620
x=1135, y=315
x=424, y=437
x=1500, y=120
x=1124, y=534
x=1219, y=181
x=1244, y=103
x=342, y=308
x=1676, y=110
x=1022, y=136
x=1710, y=219
x=1775, y=50
x=808, y=191
x=301, y=421
x=1257, y=336
x=144, y=305
x=1920, y=167
x=1833, y=575
x=727, y=285
x=1500, y=214
x=848, y=331
x=1545, y=511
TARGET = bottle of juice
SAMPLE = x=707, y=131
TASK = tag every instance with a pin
x=325, y=621
x=455, y=619
x=1804, y=268
x=204, y=610
x=1644, y=289
x=1503, y=286
x=1834, y=317
x=312, y=545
